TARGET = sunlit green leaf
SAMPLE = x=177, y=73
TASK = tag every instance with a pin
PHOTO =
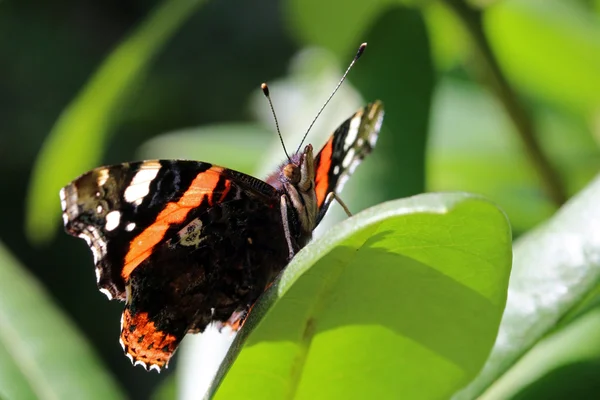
x=555, y=267
x=386, y=302
x=42, y=355
x=79, y=136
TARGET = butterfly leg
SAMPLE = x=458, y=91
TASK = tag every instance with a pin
x=328, y=200
x=286, y=225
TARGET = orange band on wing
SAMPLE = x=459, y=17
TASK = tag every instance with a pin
x=175, y=212
x=144, y=342
x=322, y=173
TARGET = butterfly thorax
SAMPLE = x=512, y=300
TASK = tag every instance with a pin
x=296, y=180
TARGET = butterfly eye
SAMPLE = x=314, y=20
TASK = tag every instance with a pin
x=292, y=173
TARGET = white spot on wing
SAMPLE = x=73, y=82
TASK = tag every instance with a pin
x=95, y=242
x=353, y=130
x=143, y=364
x=121, y=343
x=336, y=170
x=98, y=274
x=102, y=177
x=348, y=158
x=156, y=367
x=65, y=218
x=127, y=298
x=106, y=293
x=130, y=226
x=113, y=219
x=373, y=137
x=99, y=209
x=63, y=199
x=140, y=184
x=342, y=181
x=96, y=254
x=130, y=357
x=85, y=237
x=191, y=235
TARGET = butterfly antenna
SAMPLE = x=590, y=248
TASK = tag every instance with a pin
x=361, y=49
x=265, y=90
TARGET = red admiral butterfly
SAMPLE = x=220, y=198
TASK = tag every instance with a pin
x=187, y=243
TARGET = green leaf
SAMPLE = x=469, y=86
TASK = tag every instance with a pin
x=555, y=267
x=526, y=35
x=564, y=353
x=79, y=136
x=578, y=380
x=386, y=302
x=42, y=355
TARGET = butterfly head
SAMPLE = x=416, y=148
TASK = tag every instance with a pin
x=300, y=170
x=296, y=179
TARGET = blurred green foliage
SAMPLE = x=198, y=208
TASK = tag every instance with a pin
x=41, y=354
x=82, y=83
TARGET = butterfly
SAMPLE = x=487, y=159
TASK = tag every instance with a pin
x=186, y=243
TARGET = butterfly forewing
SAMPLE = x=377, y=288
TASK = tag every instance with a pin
x=345, y=149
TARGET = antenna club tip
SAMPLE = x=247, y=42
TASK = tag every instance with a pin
x=361, y=49
x=265, y=89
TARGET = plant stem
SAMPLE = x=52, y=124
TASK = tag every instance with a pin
x=549, y=176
